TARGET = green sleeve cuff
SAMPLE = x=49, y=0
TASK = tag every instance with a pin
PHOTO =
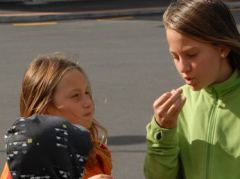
x=156, y=134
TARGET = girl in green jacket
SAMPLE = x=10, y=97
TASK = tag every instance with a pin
x=195, y=131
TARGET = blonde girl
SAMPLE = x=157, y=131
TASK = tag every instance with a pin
x=54, y=85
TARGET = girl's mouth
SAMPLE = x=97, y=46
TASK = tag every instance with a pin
x=189, y=81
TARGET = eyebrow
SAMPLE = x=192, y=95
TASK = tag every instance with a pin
x=79, y=89
x=76, y=89
x=184, y=50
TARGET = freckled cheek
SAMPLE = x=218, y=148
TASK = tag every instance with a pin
x=76, y=109
x=69, y=109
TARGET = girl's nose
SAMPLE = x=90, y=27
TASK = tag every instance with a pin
x=183, y=66
x=87, y=101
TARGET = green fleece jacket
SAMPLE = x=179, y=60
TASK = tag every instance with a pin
x=206, y=142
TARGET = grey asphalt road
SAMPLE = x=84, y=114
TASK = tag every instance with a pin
x=45, y=10
x=127, y=62
x=48, y=10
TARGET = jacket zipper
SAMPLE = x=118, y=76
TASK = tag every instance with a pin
x=210, y=134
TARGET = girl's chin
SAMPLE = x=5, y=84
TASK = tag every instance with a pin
x=194, y=84
x=87, y=126
x=195, y=88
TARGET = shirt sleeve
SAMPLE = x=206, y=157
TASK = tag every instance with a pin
x=161, y=159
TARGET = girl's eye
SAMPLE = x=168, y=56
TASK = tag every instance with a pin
x=175, y=58
x=87, y=92
x=191, y=55
x=75, y=96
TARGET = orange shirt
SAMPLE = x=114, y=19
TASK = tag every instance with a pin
x=101, y=167
x=6, y=173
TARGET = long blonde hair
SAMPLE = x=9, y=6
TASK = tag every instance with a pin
x=38, y=88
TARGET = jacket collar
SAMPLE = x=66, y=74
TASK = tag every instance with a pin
x=225, y=87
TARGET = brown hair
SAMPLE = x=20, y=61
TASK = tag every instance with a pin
x=206, y=20
x=38, y=88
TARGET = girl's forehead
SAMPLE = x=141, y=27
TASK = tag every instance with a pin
x=176, y=39
x=72, y=79
x=175, y=35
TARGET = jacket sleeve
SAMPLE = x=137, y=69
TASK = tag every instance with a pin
x=161, y=161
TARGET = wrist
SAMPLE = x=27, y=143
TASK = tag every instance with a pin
x=165, y=125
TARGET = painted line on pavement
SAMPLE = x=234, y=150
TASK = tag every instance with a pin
x=116, y=18
x=35, y=24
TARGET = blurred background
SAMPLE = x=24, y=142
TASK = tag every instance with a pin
x=121, y=45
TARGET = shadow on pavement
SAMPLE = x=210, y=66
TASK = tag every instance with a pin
x=126, y=140
x=81, y=5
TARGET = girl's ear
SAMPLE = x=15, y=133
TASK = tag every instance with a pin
x=224, y=51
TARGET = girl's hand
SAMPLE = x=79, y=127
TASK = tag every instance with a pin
x=101, y=176
x=167, y=108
